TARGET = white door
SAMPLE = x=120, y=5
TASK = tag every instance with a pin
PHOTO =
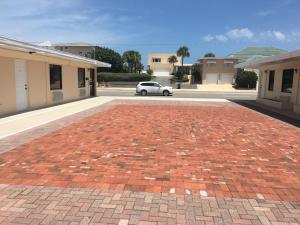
x=21, y=85
x=212, y=78
x=161, y=72
x=227, y=78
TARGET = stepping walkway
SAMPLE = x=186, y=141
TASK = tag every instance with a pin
x=46, y=205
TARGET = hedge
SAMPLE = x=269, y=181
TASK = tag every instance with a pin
x=122, y=77
x=246, y=79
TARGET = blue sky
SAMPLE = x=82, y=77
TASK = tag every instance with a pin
x=204, y=26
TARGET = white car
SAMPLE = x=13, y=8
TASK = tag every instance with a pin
x=154, y=88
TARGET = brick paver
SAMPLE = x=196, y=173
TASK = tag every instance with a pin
x=208, y=150
x=11, y=142
x=46, y=205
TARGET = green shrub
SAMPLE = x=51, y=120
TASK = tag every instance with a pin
x=122, y=77
x=178, y=75
x=246, y=79
x=183, y=79
x=150, y=71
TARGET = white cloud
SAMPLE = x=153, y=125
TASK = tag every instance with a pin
x=240, y=33
x=221, y=38
x=246, y=34
x=62, y=21
x=235, y=34
x=208, y=38
x=279, y=35
x=273, y=35
x=265, y=35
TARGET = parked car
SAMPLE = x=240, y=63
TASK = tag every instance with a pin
x=154, y=88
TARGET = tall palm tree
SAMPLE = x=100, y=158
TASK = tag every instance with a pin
x=183, y=52
x=132, y=59
x=172, y=60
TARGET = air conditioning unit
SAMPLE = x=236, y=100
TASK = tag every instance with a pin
x=286, y=102
x=57, y=96
x=82, y=93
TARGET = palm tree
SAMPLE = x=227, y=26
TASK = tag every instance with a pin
x=183, y=52
x=172, y=60
x=133, y=60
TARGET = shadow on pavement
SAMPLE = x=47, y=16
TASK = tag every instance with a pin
x=251, y=104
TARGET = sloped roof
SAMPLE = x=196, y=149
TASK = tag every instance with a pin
x=8, y=43
x=285, y=57
x=76, y=44
x=255, y=53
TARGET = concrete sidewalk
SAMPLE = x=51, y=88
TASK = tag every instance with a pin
x=25, y=121
x=21, y=122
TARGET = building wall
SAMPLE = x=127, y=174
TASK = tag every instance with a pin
x=78, y=50
x=276, y=94
x=38, y=80
x=7, y=86
x=219, y=67
x=70, y=83
x=164, y=64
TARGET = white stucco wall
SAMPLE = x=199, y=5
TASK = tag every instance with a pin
x=277, y=94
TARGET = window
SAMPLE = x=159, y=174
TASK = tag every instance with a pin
x=55, y=77
x=287, y=81
x=156, y=60
x=271, y=80
x=147, y=84
x=211, y=63
x=81, y=77
x=228, y=64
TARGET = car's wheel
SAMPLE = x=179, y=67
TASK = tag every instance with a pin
x=143, y=92
x=166, y=93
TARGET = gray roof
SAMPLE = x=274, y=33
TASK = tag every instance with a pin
x=281, y=58
x=8, y=43
x=75, y=44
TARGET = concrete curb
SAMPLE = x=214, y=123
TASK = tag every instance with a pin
x=183, y=90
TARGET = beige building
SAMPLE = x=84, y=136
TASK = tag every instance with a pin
x=32, y=76
x=160, y=65
x=279, y=80
x=83, y=49
x=218, y=70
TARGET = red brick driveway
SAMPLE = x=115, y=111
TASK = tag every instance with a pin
x=226, y=151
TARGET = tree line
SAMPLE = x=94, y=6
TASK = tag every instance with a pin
x=131, y=61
